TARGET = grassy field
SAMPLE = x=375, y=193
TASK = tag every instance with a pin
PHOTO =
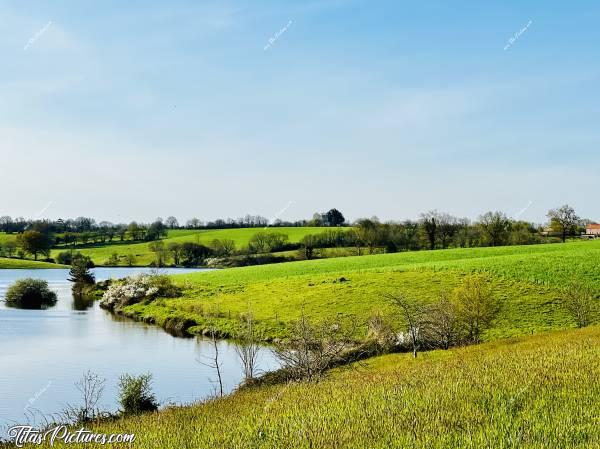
x=6, y=263
x=4, y=237
x=527, y=279
x=101, y=253
x=536, y=392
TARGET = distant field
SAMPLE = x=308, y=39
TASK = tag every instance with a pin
x=531, y=393
x=101, y=253
x=25, y=263
x=528, y=279
x=7, y=237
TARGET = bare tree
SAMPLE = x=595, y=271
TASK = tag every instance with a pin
x=442, y=322
x=314, y=347
x=413, y=314
x=214, y=362
x=564, y=219
x=91, y=388
x=247, y=349
x=579, y=302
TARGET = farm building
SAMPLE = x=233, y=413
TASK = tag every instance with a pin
x=593, y=230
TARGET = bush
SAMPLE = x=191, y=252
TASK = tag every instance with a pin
x=30, y=294
x=135, y=394
x=143, y=287
x=64, y=258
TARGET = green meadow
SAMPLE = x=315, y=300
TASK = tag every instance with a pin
x=533, y=392
x=8, y=263
x=529, y=281
x=100, y=253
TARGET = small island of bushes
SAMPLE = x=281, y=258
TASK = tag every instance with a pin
x=30, y=294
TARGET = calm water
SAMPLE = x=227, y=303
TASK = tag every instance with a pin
x=43, y=352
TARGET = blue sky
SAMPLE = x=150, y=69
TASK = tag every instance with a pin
x=132, y=110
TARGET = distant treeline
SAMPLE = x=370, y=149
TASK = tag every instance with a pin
x=433, y=230
x=137, y=231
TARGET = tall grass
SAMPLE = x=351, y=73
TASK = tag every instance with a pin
x=538, y=392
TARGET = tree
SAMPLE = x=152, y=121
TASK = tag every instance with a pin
x=334, y=217
x=308, y=243
x=429, y=221
x=171, y=222
x=476, y=305
x=156, y=231
x=91, y=387
x=34, y=242
x=158, y=248
x=447, y=227
x=413, y=314
x=495, y=226
x=175, y=249
x=247, y=348
x=442, y=322
x=314, y=347
x=563, y=220
x=80, y=273
x=579, y=301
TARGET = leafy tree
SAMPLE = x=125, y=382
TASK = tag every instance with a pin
x=495, y=226
x=158, y=248
x=334, y=217
x=429, y=224
x=193, y=254
x=476, y=306
x=175, y=249
x=580, y=302
x=80, y=273
x=563, y=220
x=34, y=242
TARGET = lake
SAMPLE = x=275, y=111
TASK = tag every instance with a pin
x=43, y=352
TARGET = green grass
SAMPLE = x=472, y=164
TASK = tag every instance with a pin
x=6, y=262
x=101, y=253
x=4, y=237
x=527, y=279
x=533, y=393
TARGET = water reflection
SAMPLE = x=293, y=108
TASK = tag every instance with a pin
x=82, y=302
x=59, y=344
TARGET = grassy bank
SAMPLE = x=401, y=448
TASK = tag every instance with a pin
x=6, y=263
x=527, y=279
x=536, y=392
x=100, y=253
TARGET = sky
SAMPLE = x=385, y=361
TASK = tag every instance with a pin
x=132, y=110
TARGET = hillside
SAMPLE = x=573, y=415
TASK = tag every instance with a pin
x=528, y=279
x=100, y=253
x=536, y=392
x=6, y=263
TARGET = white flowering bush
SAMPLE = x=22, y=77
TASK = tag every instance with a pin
x=134, y=289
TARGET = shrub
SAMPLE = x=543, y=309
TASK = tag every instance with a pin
x=138, y=288
x=30, y=294
x=64, y=258
x=135, y=394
